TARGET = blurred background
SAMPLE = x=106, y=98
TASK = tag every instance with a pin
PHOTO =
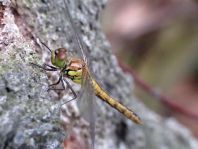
x=156, y=41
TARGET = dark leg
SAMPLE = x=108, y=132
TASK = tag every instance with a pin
x=52, y=67
x=46, y=69
x=62, y=80
x=46, y=46
x=42, y=44
x=54, y=84
x=73, y=92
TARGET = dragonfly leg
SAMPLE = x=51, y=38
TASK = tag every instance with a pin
x=62, y=80
x=39, y=40
x=54, y=84
x=51, y=68
x=46, y=46
x=72, y=90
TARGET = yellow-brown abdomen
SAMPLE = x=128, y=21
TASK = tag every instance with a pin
x=115, y=104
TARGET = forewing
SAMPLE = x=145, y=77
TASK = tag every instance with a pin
x=86, y=98
x=87, y=105
x=68, y=26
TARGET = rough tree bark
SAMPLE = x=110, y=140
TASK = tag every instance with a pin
x=25, y=105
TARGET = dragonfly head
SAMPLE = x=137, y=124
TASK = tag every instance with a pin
x=59, y=57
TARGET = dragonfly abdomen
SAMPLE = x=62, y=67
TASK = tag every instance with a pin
x=115, y=104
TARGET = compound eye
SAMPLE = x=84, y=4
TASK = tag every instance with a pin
x=56, y=52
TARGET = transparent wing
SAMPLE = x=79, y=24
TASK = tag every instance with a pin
x=68, y=28
x=77, y=39
x=87, y=105
x=86, y=101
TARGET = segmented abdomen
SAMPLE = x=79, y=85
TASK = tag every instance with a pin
x=115, y=104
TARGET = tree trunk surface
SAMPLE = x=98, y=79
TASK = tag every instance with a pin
x=28, y=111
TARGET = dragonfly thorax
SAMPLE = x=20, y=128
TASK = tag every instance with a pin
x=74, y=70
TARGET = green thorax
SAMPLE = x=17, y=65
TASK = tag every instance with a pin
x=74, y=70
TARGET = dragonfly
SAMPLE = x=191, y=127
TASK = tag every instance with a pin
x=77, y=70
x=74, y=69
